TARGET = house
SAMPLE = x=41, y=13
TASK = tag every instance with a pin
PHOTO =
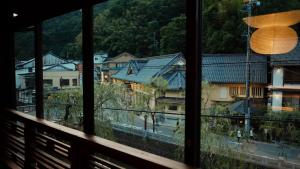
x=99, y=59
x=285, y=86
x=139, y=73
x=225, y=76
x=29, y=66
x=57, y=74
x=113, y=65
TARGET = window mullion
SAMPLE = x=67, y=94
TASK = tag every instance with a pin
x=38, y=70
x=88, y=69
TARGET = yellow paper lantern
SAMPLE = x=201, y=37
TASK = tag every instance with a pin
x=273, y=40
x=275, y=19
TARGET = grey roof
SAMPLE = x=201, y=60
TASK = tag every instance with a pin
x=231, y=68
x=146, y=69
x=48, y=59
x=241, y=107
x=176, y=79
x=59, y=66
x=291, y=58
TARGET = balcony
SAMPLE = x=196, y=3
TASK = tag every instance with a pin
x=36, y=143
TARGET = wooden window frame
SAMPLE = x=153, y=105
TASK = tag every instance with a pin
x=193, y=55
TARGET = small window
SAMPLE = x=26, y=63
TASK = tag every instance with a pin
x=173, y=107
x=234, y=91
x=64, y=82
x=223, y=93
x=74, y=81
x=243, y=91
x=130, y=71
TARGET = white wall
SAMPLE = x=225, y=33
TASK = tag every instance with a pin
x=19, y=78
x=277, y=77
x=277, y=81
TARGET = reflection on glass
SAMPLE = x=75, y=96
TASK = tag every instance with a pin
x=140, y=74
x=250, y=87
x=62, y=70
x=25, y=77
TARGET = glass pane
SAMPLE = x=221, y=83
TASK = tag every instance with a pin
x=62, y=70
x=140, y=74
x=25, y=76
x=251, y=84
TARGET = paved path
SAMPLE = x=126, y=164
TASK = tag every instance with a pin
x=273, y=150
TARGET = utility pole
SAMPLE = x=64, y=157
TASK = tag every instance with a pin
x=247, y=72
x=249, y=7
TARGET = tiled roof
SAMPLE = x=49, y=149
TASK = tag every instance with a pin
x=144, y=70
x=231, y=68
x=291, y=58
x=176, y=79
x=241, y=107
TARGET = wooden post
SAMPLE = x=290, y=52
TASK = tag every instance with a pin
x=38, y=70
x=193, y=57
x=88, y=69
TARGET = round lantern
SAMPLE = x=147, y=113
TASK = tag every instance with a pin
x=275, y=19
x=273, y=40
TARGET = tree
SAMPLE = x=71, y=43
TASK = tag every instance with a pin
x=173, y=36
x=64, y=106
x=134, y=25
x=223, y=26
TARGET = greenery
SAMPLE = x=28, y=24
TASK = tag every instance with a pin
x=149, y=27
x=282, y=127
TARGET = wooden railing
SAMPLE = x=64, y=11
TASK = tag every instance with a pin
x=29, y=142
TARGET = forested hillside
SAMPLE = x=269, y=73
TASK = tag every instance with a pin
x=149, y=27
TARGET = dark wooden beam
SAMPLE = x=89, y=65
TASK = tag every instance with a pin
x=39, y=70
x=88, y=69
x=7, y=63
x=33, y=11
x=193, y=83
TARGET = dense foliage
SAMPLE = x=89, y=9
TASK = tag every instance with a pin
x=150, y=27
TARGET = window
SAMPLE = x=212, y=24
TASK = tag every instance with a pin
x=223, y=93
x=62, y=64
x=130, y=71
x=173, y=108
x=234, y=91
x=25, y=72
x=154, y=33
x=236, y=52
x=74, y=82
x=291, y=75
x=243, y=91
x=64, y=82
x=257, y=92
x=132, y=104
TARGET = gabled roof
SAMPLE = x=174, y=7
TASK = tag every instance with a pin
x=241, y=107
x=57, y=67
x=48, y=59
x=231, y=68
x=117, y=58
x=136, y=65
x=149, y=68
x=291, y=58
x=176, y=79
